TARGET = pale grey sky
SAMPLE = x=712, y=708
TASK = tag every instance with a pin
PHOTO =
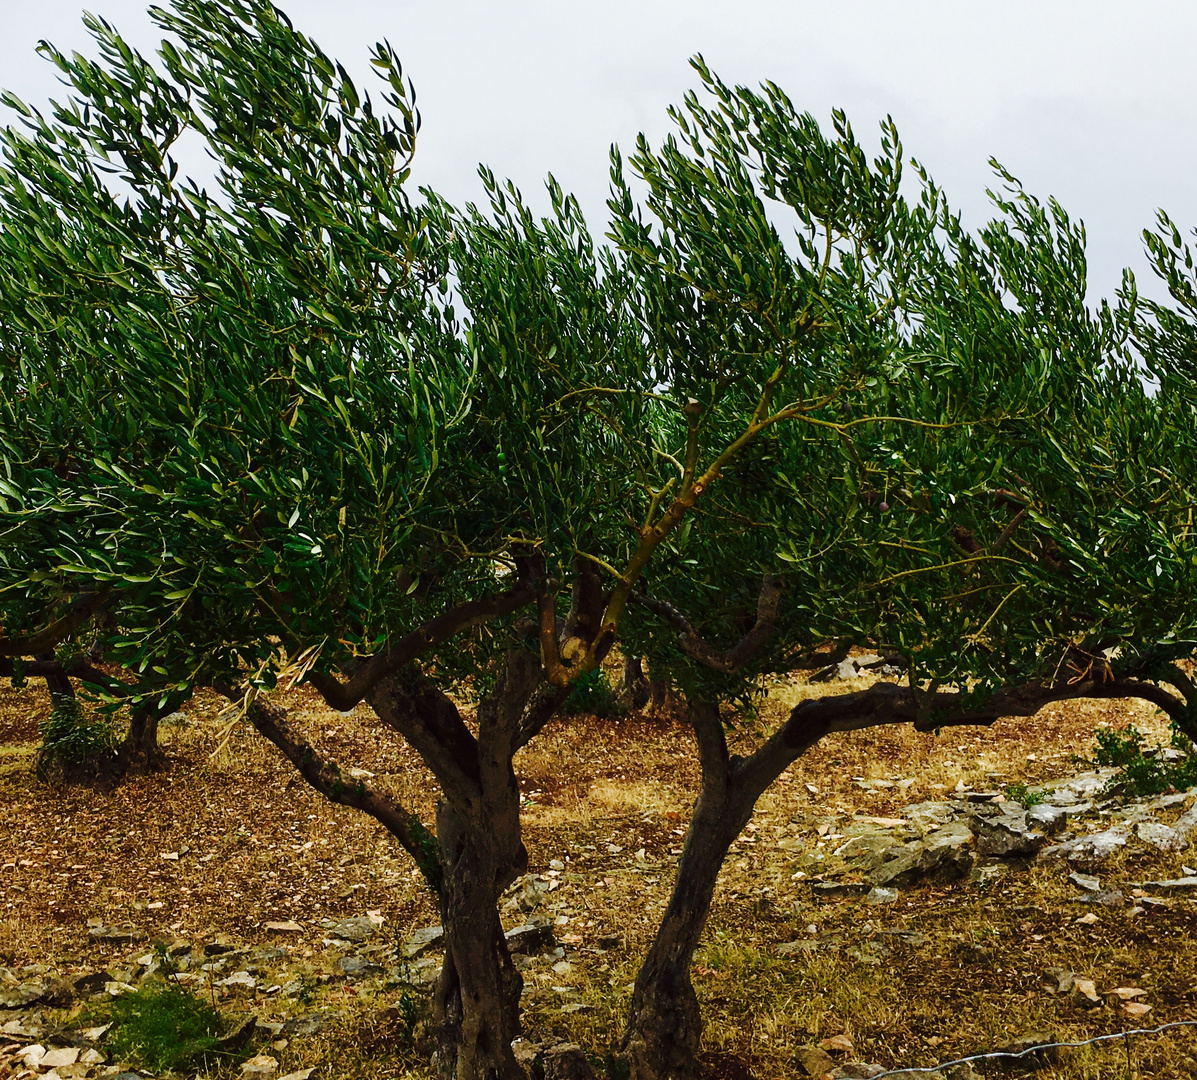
x=1092, y=102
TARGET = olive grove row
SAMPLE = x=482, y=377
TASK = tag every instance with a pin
x=310, y=425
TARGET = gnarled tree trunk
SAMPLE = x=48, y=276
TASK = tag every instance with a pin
x=664, y=1026
x=664, y=1023
x=476, y=1002
x=140, y=752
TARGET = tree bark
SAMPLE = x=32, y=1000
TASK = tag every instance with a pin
x=140, y=752
x=58, y=683
x=476, y=1002
x=664, y=1023
x=634, y=688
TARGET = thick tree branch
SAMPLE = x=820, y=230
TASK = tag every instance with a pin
x=78, y=667
x=887, y=703
x=693, y=644
x=326, y=778
x=424, y=715
x=1009, y=530
x=46, y=638
x=541, y=708
x=344, y=696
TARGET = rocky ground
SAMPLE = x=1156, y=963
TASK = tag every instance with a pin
x=887, y=907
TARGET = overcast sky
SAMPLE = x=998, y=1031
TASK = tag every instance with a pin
x=1091, y=102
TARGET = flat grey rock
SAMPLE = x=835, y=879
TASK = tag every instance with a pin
x=530, y=938
x=1007, y=834
x=1085, y=882
x=357, y=928
x=1093, y=848
x=1046, y=818
x=1161, y=837
x=1184, y=884
x=422, y=940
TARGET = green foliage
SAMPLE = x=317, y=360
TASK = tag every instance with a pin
x=429, y=860
x=1141, y=773
x=73, y=740
x=1025, y=797
x=162, y=1026
x=592, y=694
x=1117, y=746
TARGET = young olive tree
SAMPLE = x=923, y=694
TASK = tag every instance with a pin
x=985, y=513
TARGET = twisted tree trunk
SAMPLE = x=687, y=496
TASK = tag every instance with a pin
x=664, y=1023
x=140, y=752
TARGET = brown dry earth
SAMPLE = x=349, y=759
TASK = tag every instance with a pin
x=223, y=844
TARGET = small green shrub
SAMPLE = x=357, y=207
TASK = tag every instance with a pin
x=72, y=740
x=592, y=694
x=1026, y=798
x=1139, y=773
x=163, y=1027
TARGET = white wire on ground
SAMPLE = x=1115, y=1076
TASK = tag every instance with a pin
x=1015, y=1054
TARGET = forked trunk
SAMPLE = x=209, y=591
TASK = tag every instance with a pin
x=664, y=1026
x=476, y=1001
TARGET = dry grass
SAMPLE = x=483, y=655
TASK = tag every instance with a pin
x=940, y=973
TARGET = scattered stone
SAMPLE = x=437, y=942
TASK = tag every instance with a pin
x=1184, y=884
x=1085, y=882
x=1160, y=836
x=1135, y=1009
x=356, y=928
x=944, y=856
x=260, y=1065
x=813, y=1061
x=1127, y=993
x=528, y=895
x=577, y=1007
x=286, y=927
x=530, y=938
x=218, y=946
x=115, y=933
x=925, y=815
x=47, y=990
x=1089, y=849
x=299, y=1074
x=59, y=1056
x=1007, y=834
x=962, y=1071
x=837, y=1044
x=422, y=940
x=1084, y=992
x=239, y=978
x=1046, y=818
x=855, y=1070
x=1105, y=897
x=984, y=876
x=880, y=895
x=32, y=1055
x=305, y=1025
x=355, y=967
